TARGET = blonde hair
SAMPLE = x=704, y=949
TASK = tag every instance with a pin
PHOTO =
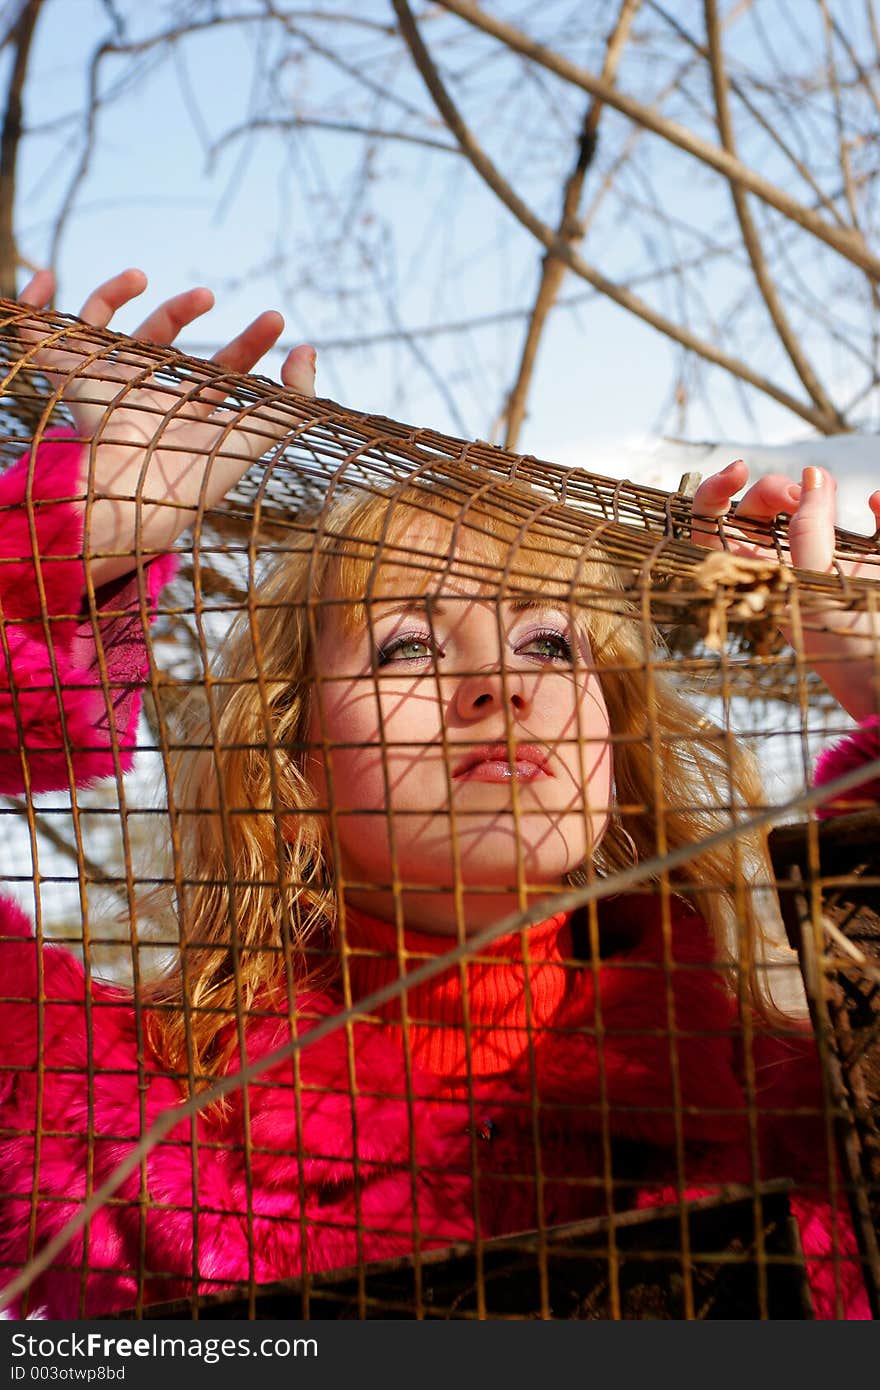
x=257, y=904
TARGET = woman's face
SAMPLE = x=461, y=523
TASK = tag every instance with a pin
x=463, y=742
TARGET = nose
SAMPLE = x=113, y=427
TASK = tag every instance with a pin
x=482, y=693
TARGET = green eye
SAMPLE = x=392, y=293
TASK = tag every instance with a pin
x=404, y=649
x=410, y=651
x=548, y=646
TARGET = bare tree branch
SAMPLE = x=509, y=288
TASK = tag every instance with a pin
x=20, y=36
x=834, y=85
x=293, y=123
x=777, y=91
x=874, y=27
x=357, y=342
x=350, y=17
x=752, y=241
x=545, y=234
x=85, y=158
x=167, y=38
x=569, y=229
x=847, y=241
x=769, y=127
x=861, y=71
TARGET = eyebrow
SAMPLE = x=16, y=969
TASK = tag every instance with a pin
x=384, y=608
x=523, y=605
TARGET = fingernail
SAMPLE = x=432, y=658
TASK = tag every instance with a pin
x=735, y=464
x=812, y=478
x=314, y=359
x=793, y=493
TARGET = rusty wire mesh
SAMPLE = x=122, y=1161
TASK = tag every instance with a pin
x=249, y=908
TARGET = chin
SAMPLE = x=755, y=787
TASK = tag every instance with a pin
x=491, y=869
x=494, y=854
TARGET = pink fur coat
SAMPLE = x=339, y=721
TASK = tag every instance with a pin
x=327, y=1180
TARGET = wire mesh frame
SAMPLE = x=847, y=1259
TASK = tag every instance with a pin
x=838, y=864
x=318, y=451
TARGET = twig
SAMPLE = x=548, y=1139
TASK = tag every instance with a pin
x=834, y=84
x=553, y=269
x=769, y=127
x=850, y=949
x=20, y=36
x=863, y=75
x=845, y=240
x=293, y=123
x=545, y=234
x=752, y=241
x=357, y=342
x=168, y=38
x=874, y=27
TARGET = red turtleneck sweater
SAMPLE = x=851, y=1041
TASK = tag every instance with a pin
x=514, y=990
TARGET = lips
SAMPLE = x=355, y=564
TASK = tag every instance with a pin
x=491, y=763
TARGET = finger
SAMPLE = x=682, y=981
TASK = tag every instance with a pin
x=713, y=496
x=86, y=386
x=164, y=324
x=103, y=302
x=874, y=504
x=37, y=294
x=298, y=371
x=245, y=351
x=811, y=528
x=39, y=290
x=770, y=495
x=712, y=501
x=241, y=355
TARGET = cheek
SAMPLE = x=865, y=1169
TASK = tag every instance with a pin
x=353, y=720
x=594, y=742
x=587, y=755
x=345, y=731
x=577, y=717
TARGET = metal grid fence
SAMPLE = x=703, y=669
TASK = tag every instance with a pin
x=307, y=1100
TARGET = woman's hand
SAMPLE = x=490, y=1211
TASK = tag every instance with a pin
x=845, y=652
x=152, y=444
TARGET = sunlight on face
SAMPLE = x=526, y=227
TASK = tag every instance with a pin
x=465, y=742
